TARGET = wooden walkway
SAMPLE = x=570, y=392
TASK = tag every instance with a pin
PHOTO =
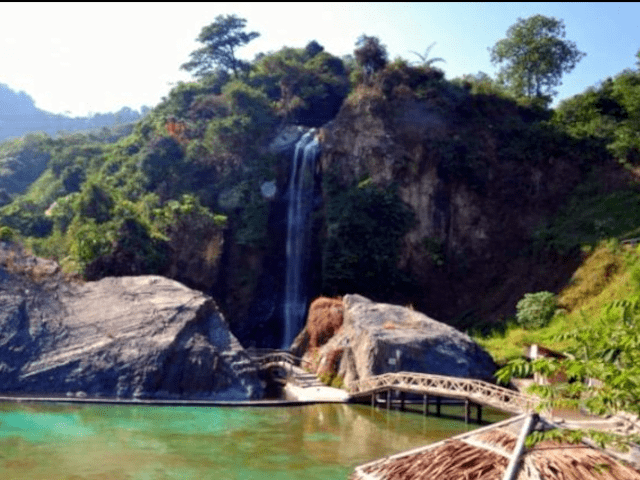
x=268, y=359
x=470, y=391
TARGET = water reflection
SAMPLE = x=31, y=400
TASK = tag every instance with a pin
x=138, y=443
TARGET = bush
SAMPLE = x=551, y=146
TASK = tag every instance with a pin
x=535, y=310
x=7, y=234
x=365, y=225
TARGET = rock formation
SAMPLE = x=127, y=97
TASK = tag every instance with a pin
x=126, y=337
x=476, y=200
x=377, y=338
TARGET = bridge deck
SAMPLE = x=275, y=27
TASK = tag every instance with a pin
x=476, y=391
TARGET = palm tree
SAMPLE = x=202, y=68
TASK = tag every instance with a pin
x=425, y=61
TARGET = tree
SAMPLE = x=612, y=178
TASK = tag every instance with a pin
x=535, y=56
x=425, y=61
x=221, y=39
x=312, y=49
x=371, y=55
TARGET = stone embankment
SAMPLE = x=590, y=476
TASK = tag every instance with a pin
x=127, y=337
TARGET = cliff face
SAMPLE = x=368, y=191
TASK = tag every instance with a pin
x=476, y=201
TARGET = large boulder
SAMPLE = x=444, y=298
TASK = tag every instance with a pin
x=126, y=337
x=377, y=338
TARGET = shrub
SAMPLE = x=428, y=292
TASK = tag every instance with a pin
x=7, y=234
x=535, y=310
x=361, y=249
x=329, y=372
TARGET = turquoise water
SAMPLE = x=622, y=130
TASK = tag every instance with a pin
x=89, y=442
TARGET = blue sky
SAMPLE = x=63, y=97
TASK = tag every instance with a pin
x=82, y=58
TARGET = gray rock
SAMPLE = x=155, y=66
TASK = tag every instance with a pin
x=127, y=337
x=285, y=141
x=377, y=338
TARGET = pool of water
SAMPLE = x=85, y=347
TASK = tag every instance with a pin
x=60, y=441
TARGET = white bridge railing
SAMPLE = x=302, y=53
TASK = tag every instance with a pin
x=266, y=358
x=477, y=391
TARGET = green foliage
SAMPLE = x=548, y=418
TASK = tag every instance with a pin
x=557, y=435
x=590, y=216
x=608, y=350
x=535, y=310
x=435, y=250
x=7, y=234
x=364, y=228
x=337, y=382
x=536, y=56
x=425, y=61
x=220, y=220
x=307, y=85
x=481, y=84
x=94, y=202
x=312, y=49
x=607, y=116
x=91, y=240
x=370, y=54
x=22, y=160
x=221, y=40
x=601, y=438
x=252, y=230
x=463, y=159
x=399, y=79
x=26, y=217
x=178, y=102
x=237, y=136
x=161, y=161
x=606, y=275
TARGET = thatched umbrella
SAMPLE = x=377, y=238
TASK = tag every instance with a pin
x=486, y=454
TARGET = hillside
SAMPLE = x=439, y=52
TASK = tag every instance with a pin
x=450, y=196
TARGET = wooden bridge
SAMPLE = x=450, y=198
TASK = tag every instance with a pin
x=268, y=359
x=429, y=386
x=471, y=391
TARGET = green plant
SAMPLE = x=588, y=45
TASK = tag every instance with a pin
x=536, y=55
x=91, y=240
x=364, y=228
x=7, y=234
x=371, y=55
x=607, y=349
x=337, y=382
x=535, y=310
x=435, y=250
x=221, y=40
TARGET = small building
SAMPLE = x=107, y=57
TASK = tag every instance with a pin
x=534, y=352
x=487, y=454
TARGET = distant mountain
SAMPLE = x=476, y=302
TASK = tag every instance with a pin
x=19, y=115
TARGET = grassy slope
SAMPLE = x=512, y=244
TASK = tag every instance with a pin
x=608, y=273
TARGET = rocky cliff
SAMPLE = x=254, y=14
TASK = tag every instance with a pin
x=479, y=176
x=126, y=337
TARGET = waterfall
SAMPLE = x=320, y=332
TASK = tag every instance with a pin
x=300, y=197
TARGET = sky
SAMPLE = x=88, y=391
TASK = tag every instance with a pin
x=81, y=58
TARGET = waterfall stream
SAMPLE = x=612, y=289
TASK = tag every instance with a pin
x=300, y=198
